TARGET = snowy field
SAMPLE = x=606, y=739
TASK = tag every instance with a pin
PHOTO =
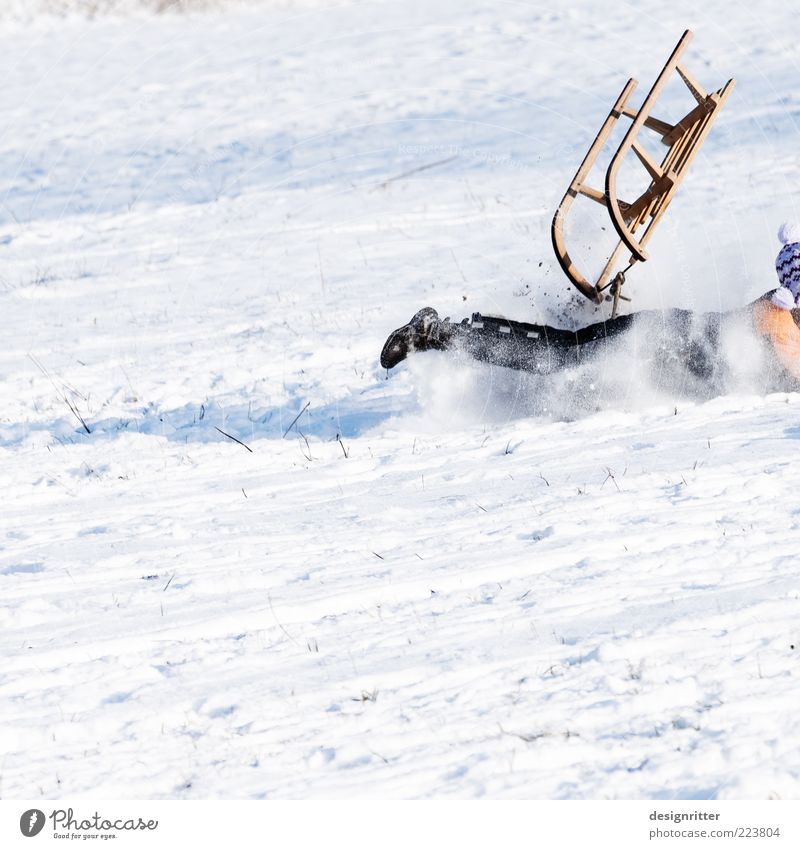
x=454, y=582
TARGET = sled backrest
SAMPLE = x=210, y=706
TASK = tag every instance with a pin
x=682, y=140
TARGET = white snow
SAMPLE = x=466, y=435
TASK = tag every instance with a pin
x=489, y=584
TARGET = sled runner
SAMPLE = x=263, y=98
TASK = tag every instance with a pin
x=682, y=140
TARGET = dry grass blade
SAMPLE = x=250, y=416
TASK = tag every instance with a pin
x=234, y=439
x=295, y=419
x=60, y=392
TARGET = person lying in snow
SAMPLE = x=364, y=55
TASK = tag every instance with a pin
x=693, y=339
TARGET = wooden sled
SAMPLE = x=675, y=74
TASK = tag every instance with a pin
x=682, y=141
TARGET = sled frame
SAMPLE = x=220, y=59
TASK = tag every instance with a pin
x=682, y=140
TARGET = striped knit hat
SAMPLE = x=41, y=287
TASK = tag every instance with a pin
x=787, y=263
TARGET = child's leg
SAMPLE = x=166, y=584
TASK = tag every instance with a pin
x=500, y=341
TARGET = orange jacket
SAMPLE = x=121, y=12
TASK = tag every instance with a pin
x=778, y=327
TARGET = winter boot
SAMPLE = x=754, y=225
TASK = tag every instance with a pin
x=424, y=332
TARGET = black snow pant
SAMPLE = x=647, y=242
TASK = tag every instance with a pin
x=690, y=338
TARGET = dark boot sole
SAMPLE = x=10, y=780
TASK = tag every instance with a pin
x=410, y=337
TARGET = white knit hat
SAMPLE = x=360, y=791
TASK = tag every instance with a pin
x=783, y=298
x=787, y=263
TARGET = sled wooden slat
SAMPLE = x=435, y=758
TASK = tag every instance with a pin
x=661, y=127
x=589, y=192
x=653, y=169
x=694, y=87
x=683, y=141
x=687, y=122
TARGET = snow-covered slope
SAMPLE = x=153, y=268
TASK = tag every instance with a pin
x=454, y=582
x=30, y=10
